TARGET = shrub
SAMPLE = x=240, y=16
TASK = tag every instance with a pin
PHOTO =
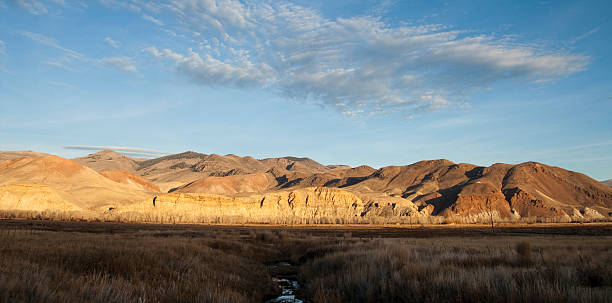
x=523, y=252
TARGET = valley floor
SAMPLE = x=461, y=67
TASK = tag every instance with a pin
x=53, y=261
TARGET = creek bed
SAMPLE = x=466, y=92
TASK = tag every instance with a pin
x=286, y=282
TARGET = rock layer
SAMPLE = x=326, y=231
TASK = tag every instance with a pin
x=302, y=205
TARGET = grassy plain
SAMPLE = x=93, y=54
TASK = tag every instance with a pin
x=53, y=261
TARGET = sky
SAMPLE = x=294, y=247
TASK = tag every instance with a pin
x=342, y=82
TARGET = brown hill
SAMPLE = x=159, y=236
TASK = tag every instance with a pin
x=77, y=184
x=433, y=187
x=359, y=171
x=251, y=183
x=608, y=182
x=439, y=187
x=172, y=169
x=137, y=182
x=302, y=180
x=217, y=165
x=396, y=180
x=295, y=164
x=525, y=190
x=190, y=166
x=337, y=177
x=553, y=190
x=108, y=160
x=350, y=176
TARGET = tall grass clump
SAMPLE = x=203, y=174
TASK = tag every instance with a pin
x=42, y=266
x=456, y=271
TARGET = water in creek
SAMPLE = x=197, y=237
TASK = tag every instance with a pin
x=287, y=283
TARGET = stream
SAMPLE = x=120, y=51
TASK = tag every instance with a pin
x=286, y=282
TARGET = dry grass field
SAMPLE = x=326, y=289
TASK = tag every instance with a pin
x=52, y=261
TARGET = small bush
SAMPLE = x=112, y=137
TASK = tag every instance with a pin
x=594, y=276
x=265, y=236
x=523, y=251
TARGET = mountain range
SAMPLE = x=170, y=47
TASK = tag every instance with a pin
x=216, y=186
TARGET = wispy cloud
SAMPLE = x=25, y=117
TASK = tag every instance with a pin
x=125, y=64
x=358, y=64
x=585, y=35
x=33, y=6
x=120, y=63
x=125, y=4
x=152, y=19
x=42, y=39
x=121, y=149
x=62, y=84
x=62, y=63
x=112, y=42
x=2, y=48
x=211, y=71
x=382, y=7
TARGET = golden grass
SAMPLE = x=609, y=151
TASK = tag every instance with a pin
x=498, y=269
x=154, y=216
x=47, y=261
x=43, y=266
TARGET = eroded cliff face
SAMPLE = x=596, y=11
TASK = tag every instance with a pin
x=303, y=204
x=478, y=198
x=528, y=205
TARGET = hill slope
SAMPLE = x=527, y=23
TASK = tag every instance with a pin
x=525, y=190
x=108, y=160
x=136, y=182
x=76, y=183
x=174, y=170
x=34, y=197
x=9, y=155
x=251, y=183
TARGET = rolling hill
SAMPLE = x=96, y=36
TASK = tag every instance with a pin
x=439, y=188
x=74, y=183
x=109, y=160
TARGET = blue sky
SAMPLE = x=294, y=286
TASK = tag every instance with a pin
x=377, y=83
